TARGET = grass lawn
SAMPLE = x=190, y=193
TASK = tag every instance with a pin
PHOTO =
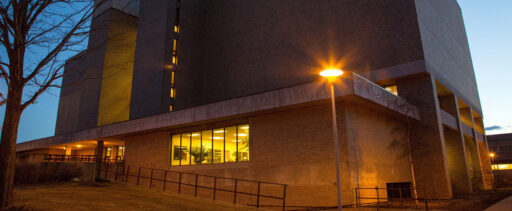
x=110, y=196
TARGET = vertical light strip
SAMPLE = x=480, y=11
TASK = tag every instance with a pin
x=174, y=55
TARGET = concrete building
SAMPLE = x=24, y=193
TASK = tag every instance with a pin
x=501, y=146
x=231, y=88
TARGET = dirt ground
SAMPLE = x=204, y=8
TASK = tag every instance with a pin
x=109, y=196
x=473, y=202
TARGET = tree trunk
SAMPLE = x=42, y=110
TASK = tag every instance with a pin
x=8, y=145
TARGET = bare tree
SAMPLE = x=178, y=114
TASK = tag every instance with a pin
x=37, y=36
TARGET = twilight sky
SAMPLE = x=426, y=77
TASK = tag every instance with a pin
x=489, y=29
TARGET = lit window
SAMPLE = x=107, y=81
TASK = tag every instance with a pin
x=108, y=152
x=120, y=153
x=176, y=29
x=218, y=145
x=175, y=143
x=230, y=144
x=243, y=143
x=230, y=151
x=392, y=89
x=172, y=92
x=207, y=144
x=195, y=150
x=185, y=149
x=172, y=77
x=507, y=166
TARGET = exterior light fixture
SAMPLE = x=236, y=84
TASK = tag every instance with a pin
x=491, y=154
x=79, y=146
x=331, y=75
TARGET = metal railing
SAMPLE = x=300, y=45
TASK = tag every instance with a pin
x=68, y=158
x=379, y=198
x=78, y=158
x=122, y=174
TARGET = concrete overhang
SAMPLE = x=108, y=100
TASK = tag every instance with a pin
x=350, y=88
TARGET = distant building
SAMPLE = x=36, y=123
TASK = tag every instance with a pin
x=231, y=88
x=501, y=146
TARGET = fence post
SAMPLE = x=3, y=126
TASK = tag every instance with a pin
x=151, y=179
x=106, y=172
x=357, y=196
x=378, y=200
x=138, y=177
x=165, y=179
x=284, y=197
x=426, y=204
x=214, y=187
x=234, y=194
x=127, y=174
x=195, y=188
x=258, y=196
x=115, y=175
x=179, y=184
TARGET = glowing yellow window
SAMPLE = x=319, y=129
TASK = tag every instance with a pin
x=171, y=107
x=196, y=152
x=243, y=143
x=174, y=45
x=173, y=92
x=392, y=89
x=206, y=150
x=185, y=149
x=172, y=77
x=218, y=145
x=175, y=60
x=231, y=143
x=176, y=150
x=176, y=29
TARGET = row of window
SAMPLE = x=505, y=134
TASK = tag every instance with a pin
x=107, y=153
x=174, y=56
x=503, y=148
x=221, y=145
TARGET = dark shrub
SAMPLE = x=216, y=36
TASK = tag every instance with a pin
x=67, y=172
x=30, y=173
x=27, y=173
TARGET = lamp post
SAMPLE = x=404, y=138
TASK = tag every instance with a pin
x=492, y=170
x=331, y=76
x=492, y=158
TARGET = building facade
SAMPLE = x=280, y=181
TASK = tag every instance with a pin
x=500, y=145
x=231, y=88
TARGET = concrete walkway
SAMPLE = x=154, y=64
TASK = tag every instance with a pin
x=505, y=204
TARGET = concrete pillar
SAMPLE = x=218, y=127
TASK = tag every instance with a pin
x=485, y=163
x=427, y=139
x=114, y=153
x=99, y=156
x=456, y=149
x=457, y=163
x=474, y=161
x=68, y=150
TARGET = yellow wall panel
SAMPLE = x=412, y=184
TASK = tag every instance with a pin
x=116, y=82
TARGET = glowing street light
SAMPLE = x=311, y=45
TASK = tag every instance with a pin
x=331, y=75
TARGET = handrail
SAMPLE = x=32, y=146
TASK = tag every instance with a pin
x=81, y=158
x=125, y=174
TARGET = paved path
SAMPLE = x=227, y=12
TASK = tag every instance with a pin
x=503, y=205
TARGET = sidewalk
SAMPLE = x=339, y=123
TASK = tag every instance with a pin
x=505, y=204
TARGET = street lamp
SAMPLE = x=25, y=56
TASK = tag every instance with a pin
x=492, y=158
x=492, y=170
x=331, y=75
